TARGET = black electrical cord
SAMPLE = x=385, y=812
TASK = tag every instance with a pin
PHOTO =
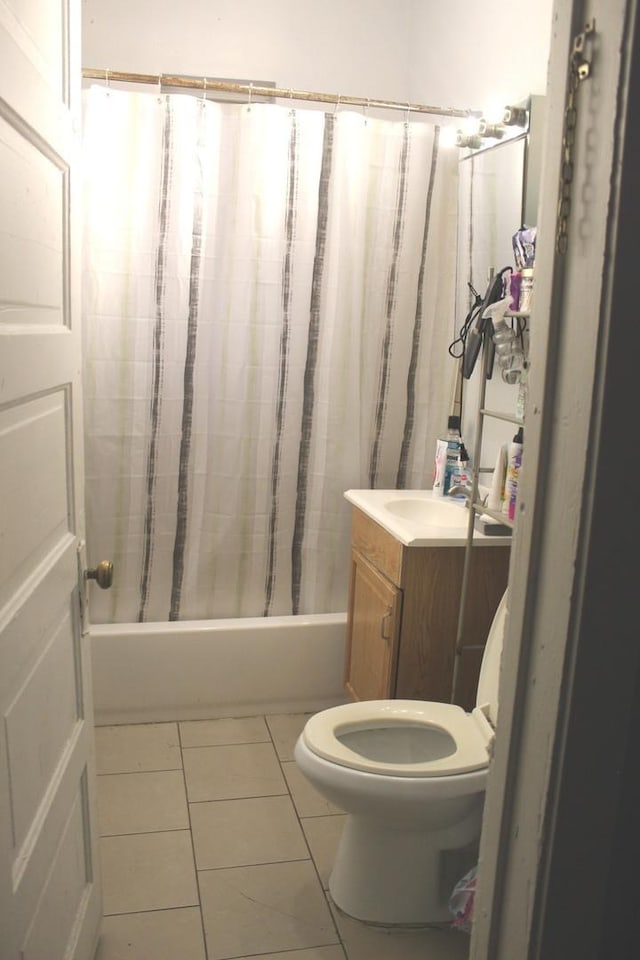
x=458, y=346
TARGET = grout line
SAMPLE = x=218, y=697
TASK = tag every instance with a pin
x=125, y=773
x=144, y=833
x=304, y=837
x=261, y=796
x=133, y=913
x=257, y=796
x=260, y=863
x=234, y=743
x=193, y=851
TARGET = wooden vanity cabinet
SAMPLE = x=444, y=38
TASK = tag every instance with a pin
x=403, y=616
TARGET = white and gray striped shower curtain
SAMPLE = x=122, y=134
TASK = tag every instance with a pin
x=268, y=299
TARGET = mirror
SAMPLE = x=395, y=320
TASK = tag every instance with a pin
x=497, y=193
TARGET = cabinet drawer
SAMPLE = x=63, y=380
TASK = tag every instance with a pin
x=378, y=546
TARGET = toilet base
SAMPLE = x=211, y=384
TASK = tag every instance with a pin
x=396, y=876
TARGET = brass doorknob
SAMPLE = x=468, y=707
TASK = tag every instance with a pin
x=102, y=574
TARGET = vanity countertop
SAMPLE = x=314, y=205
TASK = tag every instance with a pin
x=418, y=519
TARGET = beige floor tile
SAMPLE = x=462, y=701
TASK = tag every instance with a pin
x=157, y=935
x=309, y=803
x=323, y=834
x=134, y=747
x=364, y=941
x=209, y=733
x=142, y=802
x=234, y=833
x=264, y=909
x=148, y=871
x=232, y=772
x=315, y=953
x=285, y=728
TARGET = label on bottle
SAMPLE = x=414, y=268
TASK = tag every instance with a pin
x=446, y=464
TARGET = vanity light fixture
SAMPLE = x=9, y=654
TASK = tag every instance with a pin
x=476, y=130
x=491, y=131
x=515, y=116
x=472, y=141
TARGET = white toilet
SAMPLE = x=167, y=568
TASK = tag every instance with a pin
x=411, y=774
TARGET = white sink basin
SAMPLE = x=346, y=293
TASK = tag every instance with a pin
x=417, y=518
x=435, y=513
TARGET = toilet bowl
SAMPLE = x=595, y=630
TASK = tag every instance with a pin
x=411, y=776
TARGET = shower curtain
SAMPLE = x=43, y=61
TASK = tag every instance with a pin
x=268, y=299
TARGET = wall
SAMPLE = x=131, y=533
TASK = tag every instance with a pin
x=336, y=46
x=465, y=54
x=394, y=49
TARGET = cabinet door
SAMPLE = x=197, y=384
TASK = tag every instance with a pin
x=373, y=630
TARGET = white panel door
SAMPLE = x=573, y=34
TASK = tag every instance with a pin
x=50, y=903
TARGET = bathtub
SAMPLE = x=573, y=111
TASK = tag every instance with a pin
x=198, y=669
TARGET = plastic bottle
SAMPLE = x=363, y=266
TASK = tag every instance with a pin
x=447, y=457
x=503, y=335
x=523, y=389
x=514, y=464
x=462, y=473
x=509, y=355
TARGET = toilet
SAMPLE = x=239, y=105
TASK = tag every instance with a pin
x=411, y=775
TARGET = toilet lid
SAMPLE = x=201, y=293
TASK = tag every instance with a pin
x=469, y=736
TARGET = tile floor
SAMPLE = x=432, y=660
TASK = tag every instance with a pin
x=214, y=846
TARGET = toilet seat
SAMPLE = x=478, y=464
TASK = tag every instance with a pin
x=471, y=732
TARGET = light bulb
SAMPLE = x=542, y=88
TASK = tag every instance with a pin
x=448, y=137
x=470, y=125
x=492, y=131
x=515, y=116
x=472, y=141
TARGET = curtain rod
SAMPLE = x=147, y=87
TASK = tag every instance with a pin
x=250, y=89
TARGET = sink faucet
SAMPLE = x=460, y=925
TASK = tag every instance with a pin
x=465, y=488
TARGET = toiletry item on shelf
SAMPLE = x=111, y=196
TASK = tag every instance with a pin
x=509, y=354
x=513, y=475
x=461, y=474
x=514, y=290
x=524, y=247
x=512, y=365
x=526, y=291
x=524, y=253
x=496, y=493
x=523, y=388
x=447, y=457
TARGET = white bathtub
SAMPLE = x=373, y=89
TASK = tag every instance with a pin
x=198, y=669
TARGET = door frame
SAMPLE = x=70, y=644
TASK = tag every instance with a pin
x=561, y=834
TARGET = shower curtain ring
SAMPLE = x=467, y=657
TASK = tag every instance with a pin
x=106, y=78
x=250, y=94
x=335, y=109
x=159, y=84
x=204, y=88
x=406, y=116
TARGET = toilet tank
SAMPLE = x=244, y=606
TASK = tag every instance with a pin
x=488, y=682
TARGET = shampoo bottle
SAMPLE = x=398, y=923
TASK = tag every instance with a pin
x=447, y=458
x=514, y=464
